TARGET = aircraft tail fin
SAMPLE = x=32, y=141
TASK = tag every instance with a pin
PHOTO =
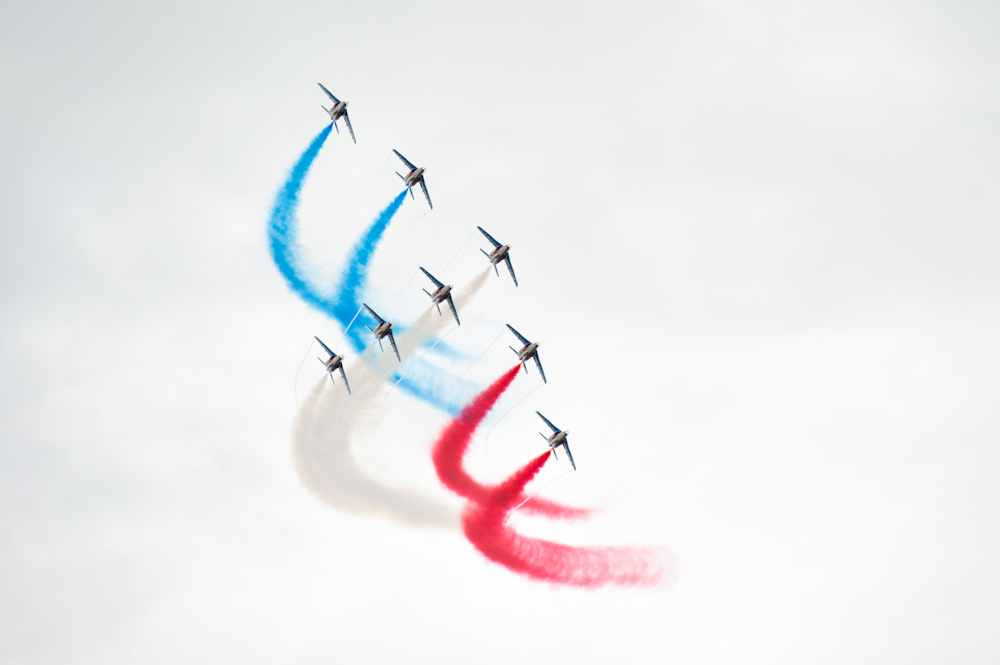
x=427, y=292
x=400, y=176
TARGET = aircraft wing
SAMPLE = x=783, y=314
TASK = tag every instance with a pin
x=423, y=186
x=392, y=340
x=325, y=347
x=432, y=278
x=489, y=237
x=568, y=453
x=347, y=121
x=519, y=335
x=540, y=370
x=405, y=160
x=374, y=315
x=451, y=303
x=506, y=260
x=329, y=94
x=554, y=428
x=344, y=375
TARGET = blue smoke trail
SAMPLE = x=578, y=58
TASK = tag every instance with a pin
x=282, y=226
x=346, y=302
x=440, y=389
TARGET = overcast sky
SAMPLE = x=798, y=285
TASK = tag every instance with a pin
x=757, y=241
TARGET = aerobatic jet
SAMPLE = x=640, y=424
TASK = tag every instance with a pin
x=442, y=293
x=383, y=329
x=413, y=177
x=529, y=350
x=338, y=110
x=499, y=254
x=335, y=362
x=557, y=439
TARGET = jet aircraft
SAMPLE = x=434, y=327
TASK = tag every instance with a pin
x=413, y=177
x=338, y=110
x=558, y=438
x=499, y=254
x=335, y=362
x=442, y=293
x=383, y=329
x=529, y=350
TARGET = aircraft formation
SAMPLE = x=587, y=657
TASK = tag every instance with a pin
x=442, y=293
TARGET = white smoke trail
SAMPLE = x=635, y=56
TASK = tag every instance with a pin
x=324, y=429
x=329, y=421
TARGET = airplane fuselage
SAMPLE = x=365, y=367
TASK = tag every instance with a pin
x=498, y=254
x=338, y=111
x=557, y=439
x=441, y=294
x=527, y=351
x=334, y=362
x=414, y=177
x=383, y=329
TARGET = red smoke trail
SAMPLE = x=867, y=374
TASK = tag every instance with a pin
x=543, y=560
x=450, y=448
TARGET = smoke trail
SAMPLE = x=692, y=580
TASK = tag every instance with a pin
x=450, y=448
x=441, y=389
x=346, y=301
x=283, y=230
x=282, y=224
x=546, y=561
x=329, y=422
x=321, y=449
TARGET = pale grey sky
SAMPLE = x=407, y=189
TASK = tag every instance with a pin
x=757, y=241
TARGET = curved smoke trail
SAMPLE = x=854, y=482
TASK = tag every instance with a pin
x=441, y=389
x=484, y=525
x=321, y=450
x=347, y=300
x=282, y=225
x=329, y=422
x=450, y=448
